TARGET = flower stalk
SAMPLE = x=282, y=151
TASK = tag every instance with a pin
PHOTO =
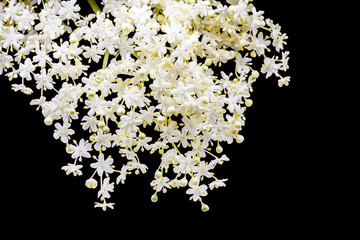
x=94, y=6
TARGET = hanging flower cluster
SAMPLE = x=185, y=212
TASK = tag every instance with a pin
x=174, y=77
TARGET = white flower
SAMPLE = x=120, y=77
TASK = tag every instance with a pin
x=93, y=53
x=270, y=66
x=242, y=63
x=217, y=183
x=130, y=121
x=160, y=183
x=106, y=188
x=26, y=69
x=42, y=57
x=259, y=44
x=101, y=140
x=69, y=9
x=122, y=177
x=90, y=122
x=44, y=80
x=104, y=205
x=97, y=105
x=81, y=150
x=63, y=131
x=284, y=81
x=197, y=191
x=12, y=38
x=22, y=88
x=203, y=170
x=74, y=169
x=102, y=165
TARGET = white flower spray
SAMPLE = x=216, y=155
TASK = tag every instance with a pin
x=161, y=85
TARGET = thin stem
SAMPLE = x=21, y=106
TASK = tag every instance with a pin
x=106, y=59
x=94, y=6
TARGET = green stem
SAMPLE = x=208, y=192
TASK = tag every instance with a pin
x=94, y=6
x=106, y=59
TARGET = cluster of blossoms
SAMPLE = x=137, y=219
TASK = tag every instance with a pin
x=175, y=78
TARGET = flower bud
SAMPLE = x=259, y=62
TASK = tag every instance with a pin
x=120, y=111
x=255, y=74
x=142, y=136
x=243, y=42
x=194, y=181
x=91, y=183
x=158, y=174
x=68, y=149
x=90, y=93
x=248, y=102
x=154, y=198
x=204, y=207
x=205, y=100
x=196, y=160
x=48, y=121
x=239, y=138
x=160, y=119
x=171, y=110
x=74, y=39
x=219, y=149
x=101, y=124
x=237, y=125
x=106, y=129
x=183, y=182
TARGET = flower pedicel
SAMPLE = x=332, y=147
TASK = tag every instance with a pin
x=160, y=86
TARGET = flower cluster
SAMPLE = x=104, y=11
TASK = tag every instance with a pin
x=174, y=78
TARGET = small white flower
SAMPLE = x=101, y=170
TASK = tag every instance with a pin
x=270, y=66
x=217, y=183
x=104, y=205
x=284, y=81
x=160, y=183
x=81, y=150
x=203, y=169
x=74, y=169
x=106, y=188
x=63, y=131
x=130, y=121
x=26, y=69
x=197, y=191
x=103, y=165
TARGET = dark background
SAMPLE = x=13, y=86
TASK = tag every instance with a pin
x=273, y=175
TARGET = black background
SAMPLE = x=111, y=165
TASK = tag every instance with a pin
x=272, y=184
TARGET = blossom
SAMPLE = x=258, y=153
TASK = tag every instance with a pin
x=155, y=83
x=103, y=165
x=26, y=68
x=63, y=131
x=197, y=191
x=203, y=170
x=81, y=150
x=106, y=187
x=217, y=183
x=160, y=183
x=12, y=38
x=270, y=66
x=74, y=169
x=130, y=121
x=104, y=205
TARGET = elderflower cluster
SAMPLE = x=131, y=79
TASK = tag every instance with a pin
x=172, y=77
